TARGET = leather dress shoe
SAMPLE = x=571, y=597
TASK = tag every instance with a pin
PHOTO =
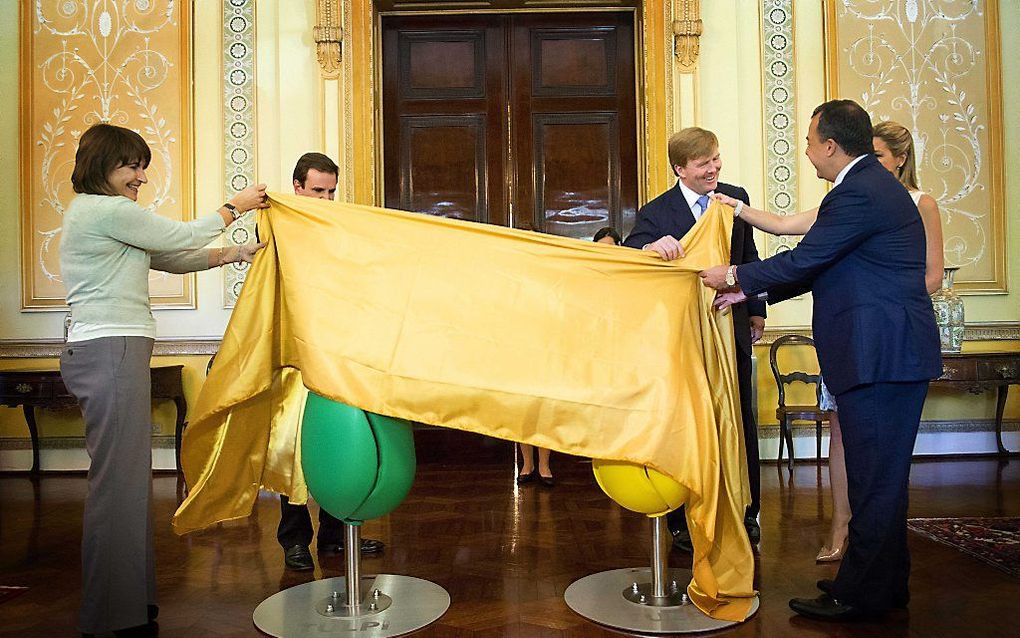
x=368, y=546
x=298, y=558
x=825, y=585
x=150, y=628
x=753, y=529
x=825, y=607
x=682, y=540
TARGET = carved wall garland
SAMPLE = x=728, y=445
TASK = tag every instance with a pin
x=238, y=126
x=328, y=35
x=686, y=34
x=780, y=105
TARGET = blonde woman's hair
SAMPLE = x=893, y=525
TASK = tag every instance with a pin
x=897, y=137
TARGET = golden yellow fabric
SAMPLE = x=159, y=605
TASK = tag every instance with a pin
x=589, y=349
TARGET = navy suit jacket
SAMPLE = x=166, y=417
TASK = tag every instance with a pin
x=864, y=262
x=669, y=214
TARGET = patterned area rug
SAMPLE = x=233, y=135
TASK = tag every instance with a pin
x=7, y=593
x=996, y=541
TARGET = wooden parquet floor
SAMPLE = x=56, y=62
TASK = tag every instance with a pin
x=506, y=554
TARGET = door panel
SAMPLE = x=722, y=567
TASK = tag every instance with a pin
x=573, y=61
x=573, y=179
x=443, y=164
x=519, y=119
x=573, y=123
x=445, y=102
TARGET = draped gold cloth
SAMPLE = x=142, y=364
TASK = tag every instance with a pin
x=584, y=348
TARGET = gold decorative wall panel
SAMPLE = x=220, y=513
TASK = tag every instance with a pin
x=90, y=61
x=933, y=66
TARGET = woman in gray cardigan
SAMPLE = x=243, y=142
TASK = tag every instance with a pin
x=108, y=245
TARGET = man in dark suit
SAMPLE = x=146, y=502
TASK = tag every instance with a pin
x=694, y=157
x=877, y=342
x=315, y=175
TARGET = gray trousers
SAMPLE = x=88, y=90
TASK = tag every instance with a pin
x=110, y=379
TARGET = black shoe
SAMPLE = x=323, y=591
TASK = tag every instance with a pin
x=825, y=585
x=682, y=540
x=298, y=558
x=546, y=481
x=825, y=607
x=368, y=546
x=753, y=529
x=153, y=612
x=527, y=478
x=150, y=628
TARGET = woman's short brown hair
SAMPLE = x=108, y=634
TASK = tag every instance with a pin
x=690, y=144
x=101, y=149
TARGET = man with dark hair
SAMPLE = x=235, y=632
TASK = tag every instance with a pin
x=878, y=347
x=315, y=175
x=694, y=158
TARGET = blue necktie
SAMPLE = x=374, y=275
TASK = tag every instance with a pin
x=703, y=205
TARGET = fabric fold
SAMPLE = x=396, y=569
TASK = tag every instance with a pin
x=588, y=349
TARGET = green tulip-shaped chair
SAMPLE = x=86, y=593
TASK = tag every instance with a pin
x=358, y=466
x=642, y=600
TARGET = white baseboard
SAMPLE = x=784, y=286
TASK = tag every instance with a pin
x=935, y=438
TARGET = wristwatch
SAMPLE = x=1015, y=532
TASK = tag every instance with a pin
x=731, y=276
x=233, y=210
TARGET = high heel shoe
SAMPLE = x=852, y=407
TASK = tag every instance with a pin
x=829, y=555
x=546, y=481
x=527, y=477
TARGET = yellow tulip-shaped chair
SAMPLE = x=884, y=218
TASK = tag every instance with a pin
x=642, y=600
x=358, y=466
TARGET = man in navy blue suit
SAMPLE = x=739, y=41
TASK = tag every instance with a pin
x=878, y=347
x=694, y=157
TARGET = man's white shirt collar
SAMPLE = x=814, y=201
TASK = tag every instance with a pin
x=691, y=197
x=846, y=169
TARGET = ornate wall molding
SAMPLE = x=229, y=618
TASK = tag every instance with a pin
x=47, y=348
x=985, y=331
x=687, y=29
x=934, y=68
x=780, y=104
x=328, y=35
x=238, y=126
x=50, y=348
x=83, y=63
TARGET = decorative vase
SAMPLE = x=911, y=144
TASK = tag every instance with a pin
x=949, y=312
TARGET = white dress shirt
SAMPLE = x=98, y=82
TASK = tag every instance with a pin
x=692, y=199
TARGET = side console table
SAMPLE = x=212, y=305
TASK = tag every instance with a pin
x=45, y=389
x=976, y=372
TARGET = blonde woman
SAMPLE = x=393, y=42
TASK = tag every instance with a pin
x=894, y=148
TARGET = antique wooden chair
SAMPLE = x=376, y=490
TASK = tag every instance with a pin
x=787, y=414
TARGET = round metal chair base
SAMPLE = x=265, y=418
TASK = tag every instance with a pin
x=600, y=598
x=296, y=612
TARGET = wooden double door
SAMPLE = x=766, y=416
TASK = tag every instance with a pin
x=522, y=120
